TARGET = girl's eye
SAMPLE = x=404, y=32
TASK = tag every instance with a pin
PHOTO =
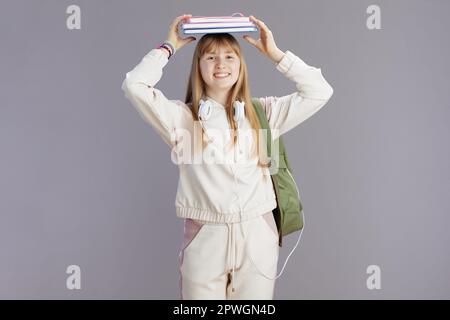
x=208, y=58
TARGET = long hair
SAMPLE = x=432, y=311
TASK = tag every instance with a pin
x=239, y=91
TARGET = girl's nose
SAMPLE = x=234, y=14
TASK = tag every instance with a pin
x=220, y=62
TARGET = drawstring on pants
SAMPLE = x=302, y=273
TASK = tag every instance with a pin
x=231, y=252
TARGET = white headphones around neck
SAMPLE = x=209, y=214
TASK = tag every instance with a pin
x=205, y=110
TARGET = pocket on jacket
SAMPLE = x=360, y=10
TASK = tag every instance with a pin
x=192, y=229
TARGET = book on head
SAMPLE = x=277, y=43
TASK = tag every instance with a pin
x=218, y=24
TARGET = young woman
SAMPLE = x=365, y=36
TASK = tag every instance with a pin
x=230, y=247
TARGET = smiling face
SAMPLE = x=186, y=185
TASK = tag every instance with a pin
x=220, y=69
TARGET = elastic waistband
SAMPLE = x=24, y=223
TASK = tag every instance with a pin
x=208, y=216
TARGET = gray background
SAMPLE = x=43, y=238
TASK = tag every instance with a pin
x=84, y=180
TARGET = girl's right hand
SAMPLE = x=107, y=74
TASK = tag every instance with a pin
x=173, y=35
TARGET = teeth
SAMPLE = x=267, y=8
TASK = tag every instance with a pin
x=221, y=75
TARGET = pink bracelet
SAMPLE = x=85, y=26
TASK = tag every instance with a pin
x=164, y=46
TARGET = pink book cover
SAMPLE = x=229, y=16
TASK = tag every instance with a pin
x=235, y=17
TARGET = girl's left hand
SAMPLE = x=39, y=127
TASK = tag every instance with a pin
x=266, y=43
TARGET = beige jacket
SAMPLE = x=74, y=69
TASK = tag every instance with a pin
x=229, y=190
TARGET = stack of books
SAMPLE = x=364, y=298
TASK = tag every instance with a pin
x=219, y=24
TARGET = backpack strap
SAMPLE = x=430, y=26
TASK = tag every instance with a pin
x=264, y=123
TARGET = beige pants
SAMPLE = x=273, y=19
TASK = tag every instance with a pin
x=229, y=260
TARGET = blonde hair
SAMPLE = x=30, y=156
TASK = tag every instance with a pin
x=239, y=91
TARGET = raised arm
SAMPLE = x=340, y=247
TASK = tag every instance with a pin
x=313, y=91
x=162, y=114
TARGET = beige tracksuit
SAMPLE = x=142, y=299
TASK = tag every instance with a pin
x=228, y=243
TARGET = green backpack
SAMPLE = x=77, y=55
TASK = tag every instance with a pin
x=288, y=213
